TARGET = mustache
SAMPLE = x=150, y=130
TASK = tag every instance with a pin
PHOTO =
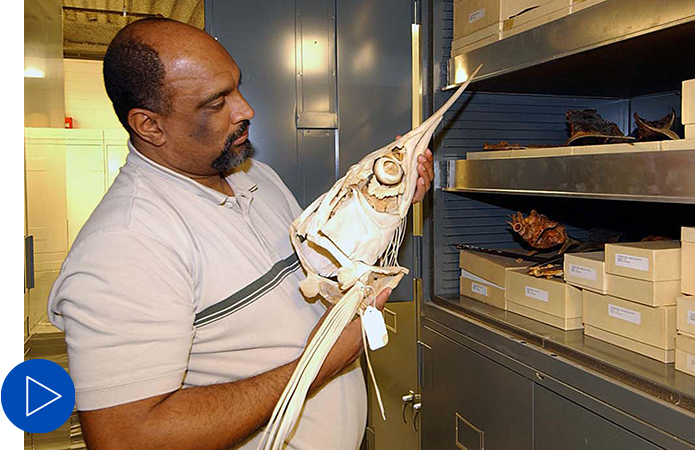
x=243, y=128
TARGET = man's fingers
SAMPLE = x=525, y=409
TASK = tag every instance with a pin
x=382, y=298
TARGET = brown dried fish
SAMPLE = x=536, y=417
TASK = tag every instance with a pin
x=539, y=231
x=656, y=130
x=588, y=125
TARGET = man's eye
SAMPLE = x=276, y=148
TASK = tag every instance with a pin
x=218, y=105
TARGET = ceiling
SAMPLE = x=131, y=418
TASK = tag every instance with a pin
x=89, y=25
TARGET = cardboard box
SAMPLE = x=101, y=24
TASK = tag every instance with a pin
x=475, y=40
x=586, y=270
x=650, y=293
x=492, y=268
x=536, y=17
x=623, y=147
x=688, y=102
x=679, y=144
x=685, y=315
x=483, y=291
x=511, y=8
x=655, y=327
x=665, y=356
x=690, y=132
x=564, y=323
x=471, y=16
x=578, y=5
x=548, y=296
x=685, y=354
x=650, y=261
x=688, y=260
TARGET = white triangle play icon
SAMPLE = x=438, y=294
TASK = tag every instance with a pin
x=58, y=396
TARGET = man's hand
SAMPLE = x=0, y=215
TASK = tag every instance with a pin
x=425, y=168
x=347, y=348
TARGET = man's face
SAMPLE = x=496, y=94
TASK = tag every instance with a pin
x=207, y=128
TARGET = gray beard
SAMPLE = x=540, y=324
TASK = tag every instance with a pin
x=230, y=159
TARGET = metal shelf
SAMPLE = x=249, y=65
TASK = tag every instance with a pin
x=618, y=48
x=659, y=176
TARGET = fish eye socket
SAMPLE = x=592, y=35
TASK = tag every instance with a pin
x=388, y=171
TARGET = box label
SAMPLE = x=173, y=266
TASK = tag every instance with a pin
x=625, y=314
x=479, y=289
x=690, y=316
x=690, y=363
x=538, y=294
x=583, y=272
x=476, y=15
x=632, y=262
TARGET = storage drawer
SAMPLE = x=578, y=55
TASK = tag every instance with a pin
x=473, y=400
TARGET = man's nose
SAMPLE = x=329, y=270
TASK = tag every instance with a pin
x=243, y=110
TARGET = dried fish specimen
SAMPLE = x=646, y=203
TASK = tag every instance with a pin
x=656, y=130
x=504, y=145
x=588, y=127
x=347, y=241
x=540, y=232
x=547, y=271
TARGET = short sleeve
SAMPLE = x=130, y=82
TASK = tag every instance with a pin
x=126, y=304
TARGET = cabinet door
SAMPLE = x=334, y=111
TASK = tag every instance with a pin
x=471, y=402
x=395, y=368
x=46, y=196
x=562, y=424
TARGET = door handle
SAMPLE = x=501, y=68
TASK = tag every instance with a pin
x=407, y=400
x=416, y=411
x=29, y=278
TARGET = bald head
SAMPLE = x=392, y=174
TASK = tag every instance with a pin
x=137, y=61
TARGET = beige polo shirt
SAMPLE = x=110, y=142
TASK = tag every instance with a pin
x=172, y=284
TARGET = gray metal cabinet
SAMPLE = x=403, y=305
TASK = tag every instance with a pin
x=471, y=402
x=559, y=423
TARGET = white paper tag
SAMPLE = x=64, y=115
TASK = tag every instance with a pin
x=625, y=314
x=583, y=272
x=479, y=289
x=690, y=363
x=690, y=317
x=476, y=15
x=538, y=294
x=374, y=328
x=632, y=262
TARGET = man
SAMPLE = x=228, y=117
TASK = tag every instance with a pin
x=179, y=298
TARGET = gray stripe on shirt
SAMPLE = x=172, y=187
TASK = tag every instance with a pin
x=250, y=293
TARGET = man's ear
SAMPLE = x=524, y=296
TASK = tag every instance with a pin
x=147, y=125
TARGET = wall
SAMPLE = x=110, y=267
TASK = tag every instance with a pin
x=85, y=95
x=43, y=64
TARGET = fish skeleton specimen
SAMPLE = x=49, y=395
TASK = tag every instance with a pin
x=347, y=241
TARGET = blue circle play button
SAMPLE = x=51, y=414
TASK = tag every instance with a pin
x=38, y=396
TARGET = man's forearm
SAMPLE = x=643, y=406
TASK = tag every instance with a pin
x=205, y=417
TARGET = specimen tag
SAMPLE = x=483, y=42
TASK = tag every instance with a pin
x=690, y=363
x=625, y=314
x=632, y=262
x=374, y=328
x=479, y=289
x=583, y=272
x=476, y=15
x=538, y=294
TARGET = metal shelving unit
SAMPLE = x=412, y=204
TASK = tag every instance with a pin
x=616, y=48
x=660, y=176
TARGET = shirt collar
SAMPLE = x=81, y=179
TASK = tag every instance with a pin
x=239, y=180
